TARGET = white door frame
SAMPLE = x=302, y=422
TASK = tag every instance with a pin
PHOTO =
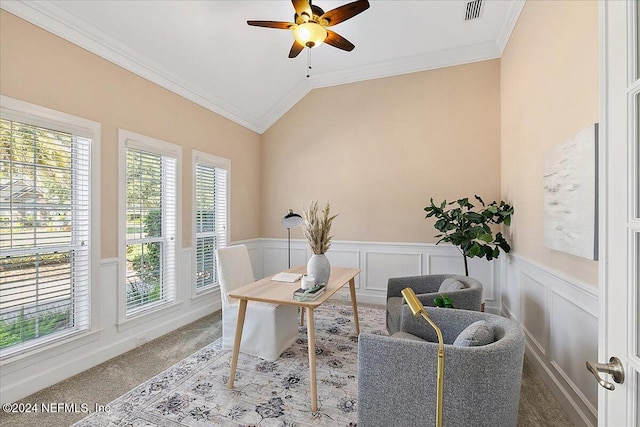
x=618, y=239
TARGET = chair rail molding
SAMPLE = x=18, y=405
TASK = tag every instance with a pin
x=378, y=261
x=558, y=313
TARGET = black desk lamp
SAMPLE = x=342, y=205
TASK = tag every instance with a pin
x=291, y=220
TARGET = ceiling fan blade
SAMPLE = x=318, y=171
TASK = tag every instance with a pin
x=302, y=6
x=345, y=12
x=272, y=24
x=296, y=48
x=336, y=40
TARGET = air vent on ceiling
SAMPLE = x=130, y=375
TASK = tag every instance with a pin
x=473, y=10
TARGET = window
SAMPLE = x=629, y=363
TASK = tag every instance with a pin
x=150, y=189
x=45, y=225
x=211, y=189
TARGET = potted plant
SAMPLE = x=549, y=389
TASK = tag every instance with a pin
x=443, y=301
x=470, y=230
x=316, y=229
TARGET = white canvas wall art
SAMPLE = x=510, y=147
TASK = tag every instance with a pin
x=570, y=195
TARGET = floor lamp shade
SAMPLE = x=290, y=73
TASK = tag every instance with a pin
x=289, y=221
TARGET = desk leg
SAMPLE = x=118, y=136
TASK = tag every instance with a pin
x=311, y=338
x=301, y=316
x=352, y=289
x=242, y=310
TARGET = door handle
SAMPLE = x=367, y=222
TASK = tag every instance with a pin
x=613, y=368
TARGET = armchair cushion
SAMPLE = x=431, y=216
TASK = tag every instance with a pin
x=451, y=284
x=476, y=334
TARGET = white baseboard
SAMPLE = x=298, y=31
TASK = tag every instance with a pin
x=559, y=314
x=26, y=374
x=560, y=318
x=73, y=363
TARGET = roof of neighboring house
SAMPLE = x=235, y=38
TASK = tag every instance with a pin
x=19, y=190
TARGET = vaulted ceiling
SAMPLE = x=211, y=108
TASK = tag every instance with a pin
x=205, y=51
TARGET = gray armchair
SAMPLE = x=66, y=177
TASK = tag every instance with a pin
x=426, y=289
x=397, y=376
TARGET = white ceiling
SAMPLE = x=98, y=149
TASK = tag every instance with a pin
x=206, y=52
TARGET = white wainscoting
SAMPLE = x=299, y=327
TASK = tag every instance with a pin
x=378, y=261
x=560, y=318
x=559, y=315
x=25, y=374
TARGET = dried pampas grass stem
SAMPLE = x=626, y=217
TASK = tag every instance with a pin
x=316, y=229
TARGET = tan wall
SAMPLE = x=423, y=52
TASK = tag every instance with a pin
x=43, y=69
x=376, y=149
x=549, y=92
x=379, y=149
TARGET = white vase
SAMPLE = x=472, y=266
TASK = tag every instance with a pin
x=319, y=267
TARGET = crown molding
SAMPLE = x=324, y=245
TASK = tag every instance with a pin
x=406, y=65
x=509, y=23
x=51, y=18
x=411, y=64
x=285, y=104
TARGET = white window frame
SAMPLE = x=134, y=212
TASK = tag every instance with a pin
x=128, y=139
x=199, y=157
x=35, y=115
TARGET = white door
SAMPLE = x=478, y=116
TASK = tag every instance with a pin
x=619, y=333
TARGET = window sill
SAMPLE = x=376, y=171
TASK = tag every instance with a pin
x=46, y=351
x=148, y=316
x=207, y=293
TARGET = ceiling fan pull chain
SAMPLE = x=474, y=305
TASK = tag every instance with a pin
x=308, y=62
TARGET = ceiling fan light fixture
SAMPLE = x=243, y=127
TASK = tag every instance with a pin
x=309, y=24
x=310, y=34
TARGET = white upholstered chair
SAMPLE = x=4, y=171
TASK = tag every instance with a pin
x=269, y=329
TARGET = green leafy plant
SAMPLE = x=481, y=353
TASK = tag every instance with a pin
x=147, y=264
x=25, y=327
x=469, y=229
x=443, y=301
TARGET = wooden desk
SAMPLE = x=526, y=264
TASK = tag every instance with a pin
x=266, y=290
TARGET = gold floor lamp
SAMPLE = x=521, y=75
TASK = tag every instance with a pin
x=417, y=309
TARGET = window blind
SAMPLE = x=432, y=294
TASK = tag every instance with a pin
x=210, y=221
x=150, y=229
x=44, y=235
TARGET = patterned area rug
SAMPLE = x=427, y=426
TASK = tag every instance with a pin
x=193, y=392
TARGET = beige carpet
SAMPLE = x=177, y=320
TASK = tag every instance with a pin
x=105, y=382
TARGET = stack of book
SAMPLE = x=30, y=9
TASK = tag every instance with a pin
x=308, y=294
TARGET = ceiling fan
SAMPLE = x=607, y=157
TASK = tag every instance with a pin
x=311, y=22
